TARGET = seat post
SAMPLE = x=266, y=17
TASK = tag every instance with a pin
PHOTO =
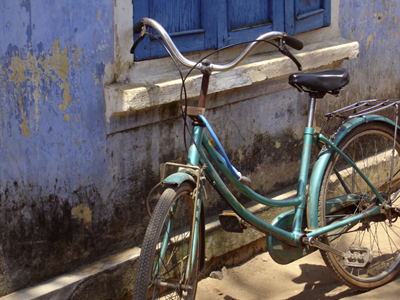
x=311, y=109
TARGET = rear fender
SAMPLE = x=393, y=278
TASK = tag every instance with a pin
x=322, y=162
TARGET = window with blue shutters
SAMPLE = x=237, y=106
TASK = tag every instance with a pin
x=196, y=25
x=246, y=20
x=187, y=21
x=306, y=15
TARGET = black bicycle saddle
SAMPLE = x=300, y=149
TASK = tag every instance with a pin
x=326, y=81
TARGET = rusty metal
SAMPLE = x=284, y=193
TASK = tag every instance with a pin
x=197, y=169
x=194, y=111
x=206, y=71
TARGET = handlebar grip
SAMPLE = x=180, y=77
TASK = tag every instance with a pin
x=293, y=42
x=138, y=27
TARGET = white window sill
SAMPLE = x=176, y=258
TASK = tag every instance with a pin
x=125, y=101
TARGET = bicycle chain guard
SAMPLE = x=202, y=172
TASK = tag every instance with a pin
x=281, y=252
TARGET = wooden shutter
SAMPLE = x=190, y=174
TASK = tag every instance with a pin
x=187, y=21
x=196, y=25
x=305, y=15
x=245, y=20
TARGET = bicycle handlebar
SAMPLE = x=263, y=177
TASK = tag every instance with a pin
x=141, y=28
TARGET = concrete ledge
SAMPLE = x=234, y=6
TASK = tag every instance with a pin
x=108, y=278
x=111, y=278
x=133, y=97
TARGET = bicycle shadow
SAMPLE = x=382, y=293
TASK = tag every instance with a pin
x=320, y=284
x=261, y=278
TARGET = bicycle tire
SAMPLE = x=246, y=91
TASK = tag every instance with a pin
x=370, y=145
x=175, y=204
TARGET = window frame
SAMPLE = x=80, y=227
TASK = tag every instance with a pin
x=210, y=36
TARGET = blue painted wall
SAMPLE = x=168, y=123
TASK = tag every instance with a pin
x=375, y=25
x=52, y=140
x=52, y=62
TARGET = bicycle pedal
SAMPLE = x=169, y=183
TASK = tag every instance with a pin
x=357, y=257
x=231, y=222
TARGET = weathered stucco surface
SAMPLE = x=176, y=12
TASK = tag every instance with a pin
x=52, y=142
x=70, y=193
x=375, y=25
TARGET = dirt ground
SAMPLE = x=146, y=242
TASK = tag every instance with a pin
x=307, y=278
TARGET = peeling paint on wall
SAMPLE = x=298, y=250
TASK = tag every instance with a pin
x=240, y=152
x=370, y=42
x=67, y=117
x=83, y=212
x=35, y=76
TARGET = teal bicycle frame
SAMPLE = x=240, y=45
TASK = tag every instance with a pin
x=299, y=202
x=305, y=203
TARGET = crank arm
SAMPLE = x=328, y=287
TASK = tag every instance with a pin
x=317, y=244
x=183, y=287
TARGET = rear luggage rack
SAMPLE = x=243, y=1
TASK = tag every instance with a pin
x=363, y=108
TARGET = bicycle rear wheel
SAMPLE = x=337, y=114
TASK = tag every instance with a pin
x=164, y=270
x=370, y=146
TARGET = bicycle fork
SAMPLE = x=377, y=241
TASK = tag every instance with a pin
x=184, y=284
x=193, y=162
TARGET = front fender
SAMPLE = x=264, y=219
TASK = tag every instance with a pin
x=322, y=162
x=179, y=178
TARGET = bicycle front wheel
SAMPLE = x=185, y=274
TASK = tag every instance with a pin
x=167, y=266
x=373, y=243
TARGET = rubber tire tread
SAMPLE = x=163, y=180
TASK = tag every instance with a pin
x=145, y=263
x=328, y=262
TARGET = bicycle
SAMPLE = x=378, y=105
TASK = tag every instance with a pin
x=348, y=211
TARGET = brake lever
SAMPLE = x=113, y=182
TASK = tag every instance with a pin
x=282, y=48
x=143, y=32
